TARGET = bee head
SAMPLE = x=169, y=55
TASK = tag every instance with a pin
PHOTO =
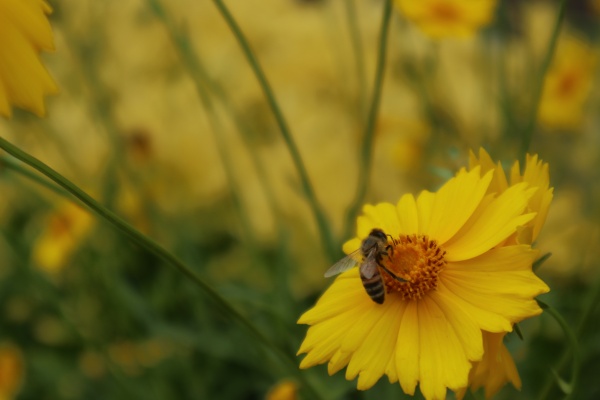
x=379, y=234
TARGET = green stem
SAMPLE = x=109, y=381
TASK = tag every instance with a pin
x=574, y=347
x=10, y=163
x=359, y=57
x=366, y=156
x=539, y=87
x=203, y=78
x=590, y=305
x=154, y=248
x=321, y=220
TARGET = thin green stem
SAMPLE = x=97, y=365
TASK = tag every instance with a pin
x=539, y=86
x=202, y=78
x=191, y=64
x=154, y=248
x=366, y=155
x=359, y=57
x=12, y=164
x=574, y=347
x=588, y=311
x=322, y=223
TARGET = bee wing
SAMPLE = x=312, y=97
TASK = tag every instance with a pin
x=350, y=261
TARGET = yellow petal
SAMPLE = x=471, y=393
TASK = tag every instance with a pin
x=455, y=202
x=499, y=182
x=371, y=359
x=383, y=216
x=496, y=368
x=346, y=294
x=424, y=206
x=493, y=310
x=407, y=214
x=408, y=344
x=491, y=224
x=443, y=360
x=452, y=293
x=351, y=245
x=502, y=259
x=463, y=324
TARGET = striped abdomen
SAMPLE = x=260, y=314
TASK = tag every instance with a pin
x=372, y=280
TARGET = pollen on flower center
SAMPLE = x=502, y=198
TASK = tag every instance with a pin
x=415, y=259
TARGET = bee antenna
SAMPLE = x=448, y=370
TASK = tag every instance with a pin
x=392, y=238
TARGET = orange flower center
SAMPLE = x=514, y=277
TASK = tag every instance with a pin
x=418, y=261
x=443, y=11
x=568, y=84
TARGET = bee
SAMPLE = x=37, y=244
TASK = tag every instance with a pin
x=368, y=256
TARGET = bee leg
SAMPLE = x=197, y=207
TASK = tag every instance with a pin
x=394, y=241
x=389, y=250
x=394, y=276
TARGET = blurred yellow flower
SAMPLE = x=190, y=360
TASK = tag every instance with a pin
x=12, y=370
x=568, y=84
x=24, y=32
x=460, y=281
x=283, y=390
x=65, y=228
x=448, y=18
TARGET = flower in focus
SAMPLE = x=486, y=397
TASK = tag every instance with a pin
x=12, y=370
x=448, y=18
x=65, y=229
x=24, y=32
x=568, y=84
x=283, y=390
x=497, y=367
x=536, y=174
x=460, y=278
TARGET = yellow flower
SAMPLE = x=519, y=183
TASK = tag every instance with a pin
x=495, y=369
x=568, y=84
x=283, y=390
x=536, y=174
x=459, y=281
x=24, y=32
x=444, y=18
x=65, y=228
x=12, y=370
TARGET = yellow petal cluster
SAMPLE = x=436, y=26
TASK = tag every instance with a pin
x=24, y=33
x=12, y=370
x=448, y=18
x=483, y=285
x=65, y=228
x=535, y=174
x=497, y=366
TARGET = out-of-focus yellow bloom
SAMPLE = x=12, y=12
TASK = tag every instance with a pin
x=24, y=33
x=124, y=355
x=92, y=364
x=568, y=84
x=283, y=390
x=12, y=370
x=448, y=18
x=460, y=280
x=65, y=229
